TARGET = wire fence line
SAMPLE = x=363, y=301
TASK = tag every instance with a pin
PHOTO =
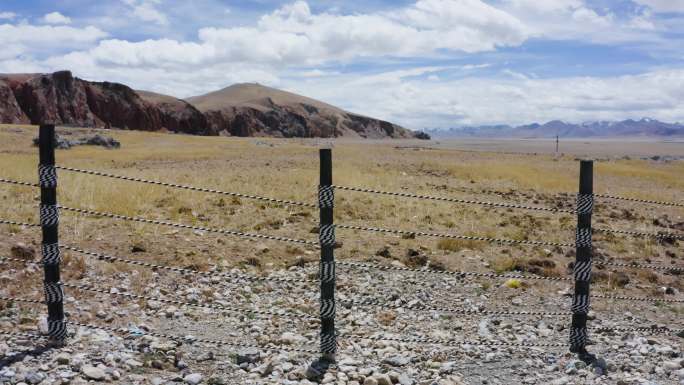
x=663, y=235
x=636, y=299
x=15, y=223
x=19, y=183
x=421, y=307
x=140, y=332
x=109, y=258
x=455, y=236
x=599, y=329
x=49, y=211
x=185, y=187
x=232, y=309
x=456, y=343
x=641, y=266
x=662, y=203
x=457, y=274
x=454, y=200
x=182, y=226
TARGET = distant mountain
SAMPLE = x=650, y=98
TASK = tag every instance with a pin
x=626, y=128
x=239, y=110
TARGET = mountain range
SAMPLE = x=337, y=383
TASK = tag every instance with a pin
x=239, y=110
x=626, y=128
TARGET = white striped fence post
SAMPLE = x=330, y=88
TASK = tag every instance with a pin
x=583, y=260
x=49, y=221
x=326, y=199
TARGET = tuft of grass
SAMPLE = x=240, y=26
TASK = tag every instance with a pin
x=455, y=245
x=513, y=283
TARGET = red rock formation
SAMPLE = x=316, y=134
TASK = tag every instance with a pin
x=10, y=111
x=240, y=110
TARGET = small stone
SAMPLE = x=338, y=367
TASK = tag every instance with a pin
x=397, y=361
x=63, y=358
x=383, y=379
x=93, y=373
x=405, y=380
x=193, y=379
x=248, y=355
x=370, y=381
x=34, y=378
x=216, y=381
x=133, y=363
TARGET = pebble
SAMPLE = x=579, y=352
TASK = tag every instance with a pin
x=93, y=373
x=193, y=379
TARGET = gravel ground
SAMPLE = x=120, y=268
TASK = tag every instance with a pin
x=132, y=357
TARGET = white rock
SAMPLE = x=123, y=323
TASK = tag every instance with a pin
x=193, y=379
x=93, y=373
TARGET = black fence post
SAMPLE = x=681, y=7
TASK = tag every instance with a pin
x=583, y=260
x=49, y=221
x=326, y=199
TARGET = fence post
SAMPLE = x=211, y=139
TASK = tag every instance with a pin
x=326, y=198
x=583, y=260
x=49, y=221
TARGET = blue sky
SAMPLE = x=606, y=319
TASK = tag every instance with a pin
x=420, y=63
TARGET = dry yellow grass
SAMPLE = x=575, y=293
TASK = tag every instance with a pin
x=288, y=169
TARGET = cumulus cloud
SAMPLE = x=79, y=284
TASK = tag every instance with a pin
x=306, y=51
x=56, y=18
x=62, y=36
x=293, y=35
x=7, y=15
x=515, y=100
x=577, y=20
x=146, y=10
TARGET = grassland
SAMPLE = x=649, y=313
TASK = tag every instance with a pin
x=288, y=169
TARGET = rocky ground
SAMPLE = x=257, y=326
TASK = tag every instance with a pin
x=132, y=357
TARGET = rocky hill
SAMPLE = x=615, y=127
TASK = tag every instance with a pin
x=626, y=128
x=256, y=110
x=239, y=110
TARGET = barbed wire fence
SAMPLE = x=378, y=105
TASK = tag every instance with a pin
x=577, y=312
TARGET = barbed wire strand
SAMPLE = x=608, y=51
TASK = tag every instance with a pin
x=454, y=236
x=425, y=340
x=607, y=196
x=458, y=274
x=219, y=343
x=185, y=187
x=181, y=303
x=109, y=258
x=639, y=266
x=636, y=299
x=28, y=184
x=641, y=234
x=8, y=222
x=454, y=200
x=377, y=303
x=182, y=226
x=647, y=329
x=650, y=329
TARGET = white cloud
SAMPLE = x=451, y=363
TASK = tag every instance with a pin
x=274, y=50
x=56, y=18
x=576, y=20
x=293, y=35
x=7, y=15
x=146, y=10
x=663, y=5
x=514, y=100
x=61, y=36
